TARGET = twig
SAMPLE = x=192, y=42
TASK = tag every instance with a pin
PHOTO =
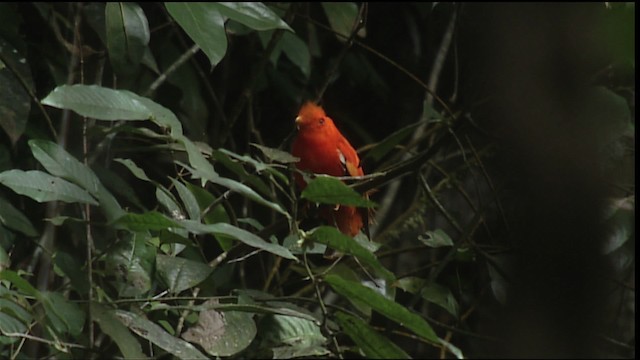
x=176, y=64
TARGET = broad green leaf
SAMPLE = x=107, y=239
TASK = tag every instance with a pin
x=373, y=344
x=189, y=201
x=255, y=15
x=98, y=102
x=297, y=51
x=342, y=17
x=435, y=239
x=15, y=102
x=43, y=187
x=158, y=336
x=169, y=202
x=292, y=337
x=151, y=220
x=355, y=291
x=135, y=169
x=217, y=214
x=131, y=261
x=298, y=246
x=431, y=292
x=57, y=161
x=11, y=325
x=222, y=334
x=329, y=190
x=333, y=238
x=16, y=310
x=20, y=283
x=181, y=274
x=128, y=35
x=14, y=219
x=205, y=26
x=276, y=155
x=110, y=325
x=203, y=167
x=238, y=234
x=65, y=315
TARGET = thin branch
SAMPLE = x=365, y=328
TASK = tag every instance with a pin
x=176, y=64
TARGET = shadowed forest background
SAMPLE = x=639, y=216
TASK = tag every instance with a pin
x=147, y=202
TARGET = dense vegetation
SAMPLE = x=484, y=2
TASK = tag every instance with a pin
x=147, y=208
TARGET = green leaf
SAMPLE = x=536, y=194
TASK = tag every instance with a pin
x=255, y=15
x=189, y=201
x=342, y=17
x=246, y=191
x=15, y=102
x=158, y=336
x=135, y=169
x=436, y=239
x=431, y=292
x=128, y=35
x=222, y=334
x=276, y=155
x=355, y=291
x=14, y=219
x=98, y=102
x=297, y=51
x=292, y=337
x=11, y=325
x=16, y=310
x=333, y=238
x=66, y=316
x=205, y=26
x=372, y=344
x=329, y=190
x=59, y=162
x=131, y=261
x=151, y=220
x=109, y=324
x=20, y=283
x=43, y=187
x=238, y=234
x=253, y=180
x=181, y=274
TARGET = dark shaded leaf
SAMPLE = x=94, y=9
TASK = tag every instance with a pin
x=355, y=291
x=373, y=344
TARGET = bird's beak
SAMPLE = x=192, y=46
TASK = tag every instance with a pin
x=298, y=121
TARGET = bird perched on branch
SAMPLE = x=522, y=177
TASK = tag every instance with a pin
x=322, y=149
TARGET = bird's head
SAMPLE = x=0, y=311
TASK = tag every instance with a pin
x=313, y=117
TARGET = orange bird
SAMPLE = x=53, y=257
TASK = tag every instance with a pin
x=322, y=149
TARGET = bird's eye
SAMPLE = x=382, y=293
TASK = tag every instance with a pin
x=321, y=121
